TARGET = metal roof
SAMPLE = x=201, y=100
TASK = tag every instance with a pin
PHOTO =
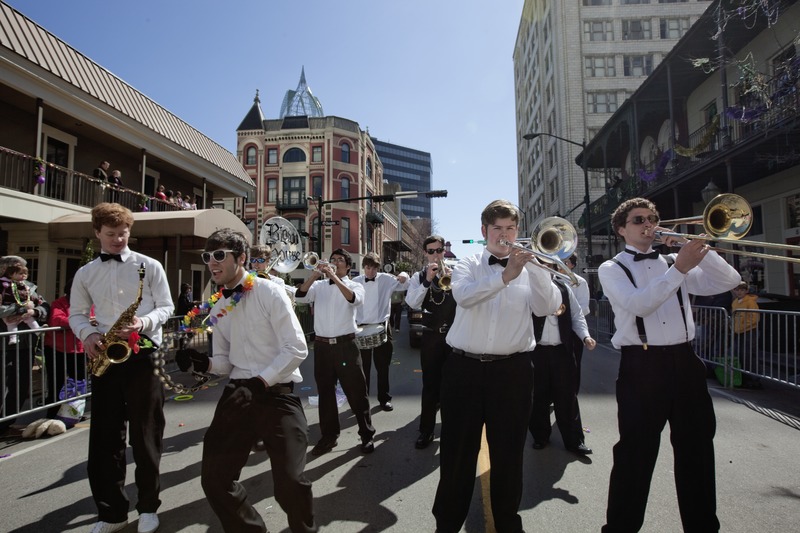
x=29, y=40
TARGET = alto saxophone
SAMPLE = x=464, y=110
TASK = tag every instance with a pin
x=117, y=349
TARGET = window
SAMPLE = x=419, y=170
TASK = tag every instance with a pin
x=638, y=65
x=294, y=191
x=316, y=186
x=636, y=30
x=316, y=154
x=601, y=102
x=598, y=30
x=671, y=1
x=272, y=190
x=345, y=153
x=629, y=2
x=710, y=111
x=345, y=224
x=272, y=156
x=345, y=188
x=369, y=168
x=251, y=156
x=294, y=155
x=673, y=28
x=599, y=67
x=597, y=2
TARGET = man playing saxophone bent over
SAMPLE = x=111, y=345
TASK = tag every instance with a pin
x=127, y=391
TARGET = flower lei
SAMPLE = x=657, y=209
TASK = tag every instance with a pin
x=39, y=170
x=189, y=322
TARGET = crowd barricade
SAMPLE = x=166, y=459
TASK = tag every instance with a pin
x=768, y=350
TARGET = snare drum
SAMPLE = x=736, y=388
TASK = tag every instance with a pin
x=371, y=336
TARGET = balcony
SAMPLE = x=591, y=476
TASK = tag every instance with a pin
x=26, y=174
x=292, y=202
x=374, y=217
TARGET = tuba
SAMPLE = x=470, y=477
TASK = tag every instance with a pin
x=117, y=349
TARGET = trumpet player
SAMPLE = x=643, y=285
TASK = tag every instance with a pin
x=378, y=288
x=661, y=379
x=488, y=378
x=438, y=311
x=128, y=397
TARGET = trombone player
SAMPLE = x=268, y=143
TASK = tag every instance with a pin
x=660, y=378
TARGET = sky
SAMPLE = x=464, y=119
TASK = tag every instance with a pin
x=433, y=75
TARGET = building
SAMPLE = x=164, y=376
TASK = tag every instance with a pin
x=717, y=115
x=575, y=63
x=60, y=115
x=318, y=172
x=412, y=170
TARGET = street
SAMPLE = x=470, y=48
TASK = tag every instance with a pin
x=46, y=490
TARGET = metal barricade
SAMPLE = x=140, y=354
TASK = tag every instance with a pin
x=764, y=344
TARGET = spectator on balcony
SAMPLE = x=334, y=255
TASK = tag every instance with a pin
x=100, y=172
x=170, y=197
x=161, y=197
x=115, y=180
x=193, y=203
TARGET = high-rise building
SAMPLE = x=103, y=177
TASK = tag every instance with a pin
x=575, y=62
x=412, y=170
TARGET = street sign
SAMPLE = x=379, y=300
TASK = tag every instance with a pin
x=330, y=222
x=589, y=270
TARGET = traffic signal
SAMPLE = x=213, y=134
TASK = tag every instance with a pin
x=436, y=194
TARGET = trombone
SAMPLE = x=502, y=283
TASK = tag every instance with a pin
x=726, y=219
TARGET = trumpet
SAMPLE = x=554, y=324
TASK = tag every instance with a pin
x=311, y=261
x=726, y=219
x=445, y=277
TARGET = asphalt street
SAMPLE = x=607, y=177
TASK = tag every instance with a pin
x=45, y=487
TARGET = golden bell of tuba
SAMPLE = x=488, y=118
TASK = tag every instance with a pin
x=116, y=348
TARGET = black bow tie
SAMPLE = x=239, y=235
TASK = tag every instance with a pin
x=367, y=280
x=227, y=293
x=494, y=260
x=105, y=257
x=331, y=282
x=641, y=257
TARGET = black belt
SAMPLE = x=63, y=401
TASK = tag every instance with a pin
x=335, y=340
x=635, y=348
x=482, y=357
x=280, y=388
x=442, y=329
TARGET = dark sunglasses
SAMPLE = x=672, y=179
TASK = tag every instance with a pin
x=258, y=260
x=432, y=251
x=217, y=255
x=639, y=219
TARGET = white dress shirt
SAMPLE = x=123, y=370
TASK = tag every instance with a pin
x=495, y=318
x=415, y=296
x=261, y=336
x=378, y=297
x=551, y=336
x=654, y=297
x=111, y=286
x=581, y=292
x=334, y=316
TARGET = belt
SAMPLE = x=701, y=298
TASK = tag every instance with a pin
x=335, y=340
x=442, y=329
x=280, y=388
x=482, y=357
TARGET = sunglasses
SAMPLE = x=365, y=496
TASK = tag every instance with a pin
x=639, y=219
x=432, y=251
x=216, y=255
x=258, y=260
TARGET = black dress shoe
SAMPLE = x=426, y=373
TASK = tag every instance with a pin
x=367, y=446
x=423, y=441
x=538, y=445
x=581, y=449
x=387, y=406
x=323, y=446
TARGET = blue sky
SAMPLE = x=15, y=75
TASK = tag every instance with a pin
x=434, y=75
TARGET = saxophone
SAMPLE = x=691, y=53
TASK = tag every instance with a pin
x=117, y=349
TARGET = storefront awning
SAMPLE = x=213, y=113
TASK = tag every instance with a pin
x=190, y=223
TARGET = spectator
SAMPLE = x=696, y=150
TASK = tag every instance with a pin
x=171, y=197
x=16, y=293
x=100, y=171
x=185, y=301
x=193, y=203
x=397, y=309
x=745, y=333
x=179, y=200
x=115, y=180
x=160, y=194
x=64, y=355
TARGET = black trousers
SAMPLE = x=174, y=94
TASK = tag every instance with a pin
x=396, y=315
x=383, y=359
x=554, y=375
x=280, y=422
x=434, y=351
x=127, y=399
x=656, y=386
x=341, y=362
x=577, y=350
x=498, y=395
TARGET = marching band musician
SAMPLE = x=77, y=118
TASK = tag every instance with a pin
x=376, y=309
x=488, y=378
x=128, y=394
x=438, y=311
x=336, y=355
x=661, y=379
x=260, y=259
x=258, y=341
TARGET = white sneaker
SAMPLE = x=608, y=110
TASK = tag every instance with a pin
x=108, y=527
x=148, y=522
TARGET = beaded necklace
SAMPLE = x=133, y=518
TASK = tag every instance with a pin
x=205, y=308
x=15, y=290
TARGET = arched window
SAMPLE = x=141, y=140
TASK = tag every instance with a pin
x=250, y=159
x=345, y=153
x=294, y=155
x=345, y=188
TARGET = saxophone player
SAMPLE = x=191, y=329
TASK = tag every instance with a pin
x=128, y=397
